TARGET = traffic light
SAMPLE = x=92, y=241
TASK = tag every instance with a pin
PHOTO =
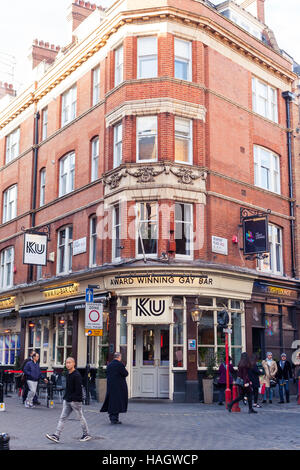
x=223, y=319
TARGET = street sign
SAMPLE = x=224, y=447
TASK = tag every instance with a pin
x=93, y=316
x=89, y=295
x=93, y=332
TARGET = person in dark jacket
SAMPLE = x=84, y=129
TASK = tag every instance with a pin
x=222, y=379
x=284, y=373
x=33, y=374
x=24, y=382
x=254, y=374
x=72, y=402
x=116, y=399
x=244, y=390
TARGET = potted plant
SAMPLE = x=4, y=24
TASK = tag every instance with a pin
x=202, y=354
x=208, y=380
x=100, y=383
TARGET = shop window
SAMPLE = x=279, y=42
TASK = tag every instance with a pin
x=178, y=328
x=103, y=344
x=38, y=338
x=62, y=338
x=123, y=328
x=9, y=349
x=211, y=339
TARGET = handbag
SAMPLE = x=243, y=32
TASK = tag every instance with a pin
x=239, y=382
x=273, y=383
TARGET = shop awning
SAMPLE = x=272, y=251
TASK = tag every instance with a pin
x=43, y=309
x=5, y=313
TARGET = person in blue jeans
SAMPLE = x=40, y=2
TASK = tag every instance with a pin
x=284, y=374
x=270, y=369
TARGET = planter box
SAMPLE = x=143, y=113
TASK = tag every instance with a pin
x=208, y=390
x=100, y=389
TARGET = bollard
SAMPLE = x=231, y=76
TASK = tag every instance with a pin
x=299, y=390
x=235, y=393
x=2, y=404
x=4, y=441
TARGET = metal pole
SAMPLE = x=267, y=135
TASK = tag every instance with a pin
x=227, y=391
x=87, y=373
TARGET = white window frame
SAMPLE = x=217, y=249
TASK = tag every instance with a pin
x=145, y=56
x=7, y=267
x=189, y=139
x=44, y=123
x=12, y=145
x=185, y=224
x=116, y=225
x=118, y=144
x=270, y=99
x=275, y=255
x=67, y=348
x=96, y=85
x=147, y=133
x=273, y=169
x=66, y=268
x=154, y=221
x=42, y=186
x=95, y=158
x=183, y=59
x=7, y=340
x=93, y=241
x=38, y=331
x=68, y=105
x=10, y=202
x=119, y=65
x=67, y=171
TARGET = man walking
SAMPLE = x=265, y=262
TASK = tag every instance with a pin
x=116, y=400
x=24, y=382
x=32, y=373
x=284, y=373
x=72, y=401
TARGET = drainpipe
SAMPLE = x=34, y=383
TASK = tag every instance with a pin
x=288, y=96
x=34, y=177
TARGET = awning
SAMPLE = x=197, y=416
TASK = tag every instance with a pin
x=43, y=309
x=79, y=303
x=5, y=313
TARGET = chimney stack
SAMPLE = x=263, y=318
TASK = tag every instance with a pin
x=78, y=12
x=6, y=89
x=43, y=51
x=261, y=10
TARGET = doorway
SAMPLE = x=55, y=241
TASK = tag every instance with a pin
x=258, y=342
x=151, y=361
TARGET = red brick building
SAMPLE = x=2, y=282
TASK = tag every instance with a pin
x=138, y=150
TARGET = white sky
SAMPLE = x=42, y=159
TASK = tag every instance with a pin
x=21, y=21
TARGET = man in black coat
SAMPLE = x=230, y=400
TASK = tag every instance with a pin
x=116, y=399
x=284, y=373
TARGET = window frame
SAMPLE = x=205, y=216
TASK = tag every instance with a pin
x=93, y=241
x=119, y=65
x=70, y=173
x=94, y=158
x=139, y=119
x=189, y=140
x=184, y=223
x=4, y=262
x=271, y=106
x=44, y=123
x=96, y=85
x=42, y=186
x=138, y=221
x=140, y=57
x=12, y=145
x=118, y=144
x=68, y=105
x=274, y=173
x=116, y=224
x=188, y=59
x=272, y=256
x=68, y=250
x=10, y=201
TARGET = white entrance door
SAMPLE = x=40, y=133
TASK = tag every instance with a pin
x=151, y=361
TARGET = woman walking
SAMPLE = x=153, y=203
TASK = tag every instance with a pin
x=270, y=368
x=254, y=374
x=245, y=383
x=222, y=379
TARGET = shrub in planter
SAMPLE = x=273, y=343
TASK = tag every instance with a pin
x=100, y=383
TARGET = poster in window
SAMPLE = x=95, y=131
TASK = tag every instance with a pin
x=255, y=233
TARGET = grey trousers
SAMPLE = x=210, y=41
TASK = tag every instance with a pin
x=68, y=407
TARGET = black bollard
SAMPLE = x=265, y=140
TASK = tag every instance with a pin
x=4, y=441
x=2, y=404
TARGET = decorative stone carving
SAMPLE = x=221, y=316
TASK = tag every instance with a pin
x=187, y=175
x=113, y=181
x=145, y=174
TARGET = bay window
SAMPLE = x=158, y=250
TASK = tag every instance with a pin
x=147, y=228
x=147, y=57
x=147, y=138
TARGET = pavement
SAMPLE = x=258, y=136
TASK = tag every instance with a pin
x=156, y=425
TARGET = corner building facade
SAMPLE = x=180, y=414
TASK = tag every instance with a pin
x=153, y=129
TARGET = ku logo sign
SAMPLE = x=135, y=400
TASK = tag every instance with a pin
x=35, y=249
x=151, y=309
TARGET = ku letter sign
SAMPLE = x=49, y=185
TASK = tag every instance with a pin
x=35, y=249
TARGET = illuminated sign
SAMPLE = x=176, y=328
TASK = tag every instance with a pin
x=63, y=290
x=255, y=232
x=7, y=302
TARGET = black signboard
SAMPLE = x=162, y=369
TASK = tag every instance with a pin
x=255, y=233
